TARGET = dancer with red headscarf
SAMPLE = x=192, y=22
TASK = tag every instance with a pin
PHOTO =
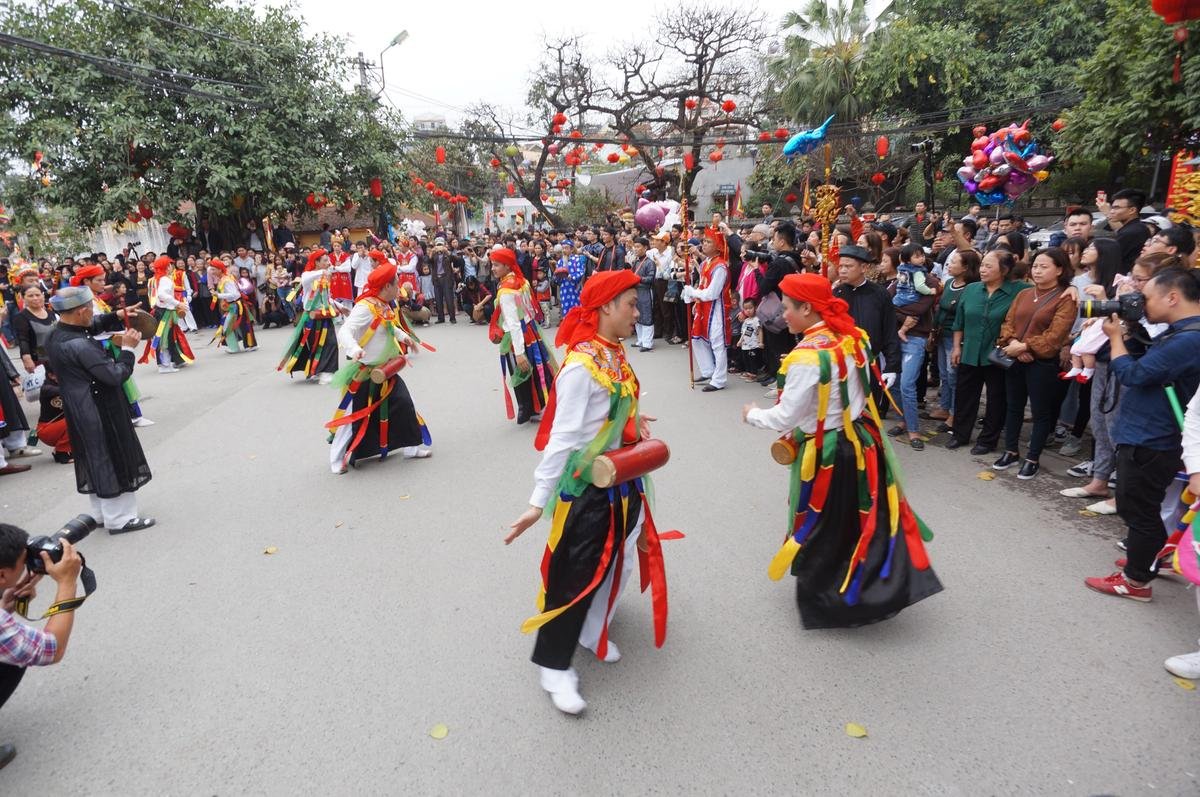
x=600, y=526
x=527, y=364
x=855, y=545
x=236, y=332
x=169, y=346
x=375, y=414
x=312, y=349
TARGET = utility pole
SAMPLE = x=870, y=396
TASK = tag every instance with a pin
x=364, y=68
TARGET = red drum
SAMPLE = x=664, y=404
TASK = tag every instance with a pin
x=630, y=462
x=785, y=449
x=383, y=373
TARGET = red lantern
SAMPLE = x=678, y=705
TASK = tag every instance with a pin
x=939, y=174
x=556, y=129
x=512, y=189
x=729, y=106
x=133, y=218
x=764, y=136
x=598, y=145
x=877, y=178
x=690, y=104
x=881, y=147
x=439, y=154
x=145, y=210
x=1057, y=125
x=1176, y=11
x=377, y=187
x=613, y=157
x=790, y=198
x=689, y=161
x=418, y=181
x=715, y=156
x=552, y=149
x=545, y=197
x=570, y=159
x=576, y=134
x=495, y=163
x=781, y=133
x=429, y=186
x=720, y=142
x=559, y=119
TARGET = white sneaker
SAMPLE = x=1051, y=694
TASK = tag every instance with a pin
x=1186, y=665
x=417, y=452
x=325, y=378
x=142, y=420
x=563, y=686
x=167, y=369
x=613, y=654
x=26, y=451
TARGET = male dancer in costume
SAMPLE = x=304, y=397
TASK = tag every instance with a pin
x=710, y=319
x=236, y=332
x=375, y=418
x=853, y=542
x=526, y=362
x=313, y=349
x=92, y=276
x=595, y=534
x=169, y=345
x=183, y=294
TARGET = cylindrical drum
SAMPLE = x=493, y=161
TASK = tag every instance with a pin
x=785, y=449
x=630, y=462
x=383, y=373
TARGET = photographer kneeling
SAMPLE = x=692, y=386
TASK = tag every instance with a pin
x=1147, y=434
x=23, y=645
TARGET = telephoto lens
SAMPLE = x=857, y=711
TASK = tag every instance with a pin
x=1128, y=307
x=72, y=531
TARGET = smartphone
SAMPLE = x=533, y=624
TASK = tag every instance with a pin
x=1101, y=196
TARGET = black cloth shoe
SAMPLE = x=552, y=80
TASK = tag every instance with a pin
x=523, y=416
x=137, y=524
x=917, y=444
x=710, y=389
x=978, y=449
x=896, y=431
x=955, y=443
x=7, y=753
x=1029, y=469
x=1006, y=461
x=944, y=427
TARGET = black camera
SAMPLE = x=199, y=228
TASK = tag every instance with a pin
x=1128, y=307
x=72, y=531
x=134, y=243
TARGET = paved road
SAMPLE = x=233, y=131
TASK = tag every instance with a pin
x=203, y=666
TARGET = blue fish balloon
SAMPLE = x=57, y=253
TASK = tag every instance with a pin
x=805, y=141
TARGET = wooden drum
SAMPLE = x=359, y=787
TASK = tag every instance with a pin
x=628, y=463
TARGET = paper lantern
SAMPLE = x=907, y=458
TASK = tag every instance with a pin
x=690, y=104
x=439, y=154
x=559, y=119
x=133, y=218
x=1176, y=11
x=429, y=186
x=1057, y=125
x=145, y=210
x=715, y=156
x=720, y=142
x=764, y=136
x=613, y=157
x=310, y=200
x=556, y=129
x=729, y=106
x=495, y=163
x=511, y=189
x=689, y=161
x=790, y=198
x=552, y=149
x=781, y=133
x=881, y=147
x=576, y=134
x=939, y=174
x=512, y=150
x=377, y=187
x=545, y=197
x=877, y=178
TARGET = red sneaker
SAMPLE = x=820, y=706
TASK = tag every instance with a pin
x=1118, y=585
x=1165, y=568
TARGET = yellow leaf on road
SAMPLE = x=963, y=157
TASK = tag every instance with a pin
x=1088, y=513
x=1184, y=683
x=855, y=730
x=270, y=550
x=337, y=525
x=439, y=731
x=986, y=475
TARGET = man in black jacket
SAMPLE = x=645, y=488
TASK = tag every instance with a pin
x=446, y=269
x=872, y=310
x=778, y=344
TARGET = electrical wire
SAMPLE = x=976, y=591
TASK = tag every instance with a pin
x=177, y=23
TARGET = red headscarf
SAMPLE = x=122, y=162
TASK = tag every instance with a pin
x=818, y=292
x=506, y=257
x=379, y=257
x=718, y=239
x=219, y=265
x=85, y=273
x=316, y=255
x=162, y=265
x=582, y=323
x=380, y=277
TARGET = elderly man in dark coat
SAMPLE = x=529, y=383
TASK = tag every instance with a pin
x=109, y=463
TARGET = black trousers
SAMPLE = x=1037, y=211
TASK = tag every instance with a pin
x=573, y=565
x=969, y=386
x=1143, y=475
x=1037, y=383
x=776, y=346
x=10, y=678
x=443, y=297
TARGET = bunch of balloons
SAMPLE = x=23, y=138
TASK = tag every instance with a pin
x=1003, y=165
x=651, y=216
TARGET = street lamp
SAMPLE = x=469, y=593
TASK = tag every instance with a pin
x=396, y=40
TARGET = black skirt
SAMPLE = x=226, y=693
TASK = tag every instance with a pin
x=821, y=564
x=14, y=413
x=404, y=426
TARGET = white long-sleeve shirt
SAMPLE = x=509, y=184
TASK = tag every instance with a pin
x=164, y=293
x=356, y=325
x=714, y=290
x=580, y=410
x=511, y=322
x=1191, y=436
x=227, y=289
x=362, y=266
x=797, y=407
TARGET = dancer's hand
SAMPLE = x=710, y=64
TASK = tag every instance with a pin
x=746, y=412
x=523, y=363
x=643, y=544
x=530, y=516
x=644, y=422
x=1194, y=485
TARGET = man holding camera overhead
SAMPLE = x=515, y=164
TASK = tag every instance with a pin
x=1147, y=434
x=109, y=463
x=22, y=645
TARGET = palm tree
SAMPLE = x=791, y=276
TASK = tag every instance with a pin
x=816, y=74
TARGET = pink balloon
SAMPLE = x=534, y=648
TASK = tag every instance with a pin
x=997, y=156
x=966, y=173
x=643, y=202
x=649, y=217
x=1038, y=162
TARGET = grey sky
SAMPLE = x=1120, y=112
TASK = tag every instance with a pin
x=460, y=53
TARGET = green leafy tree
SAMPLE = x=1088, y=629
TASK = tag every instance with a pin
x=239, y=111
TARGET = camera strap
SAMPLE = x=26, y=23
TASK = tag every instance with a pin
x=86, y=576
